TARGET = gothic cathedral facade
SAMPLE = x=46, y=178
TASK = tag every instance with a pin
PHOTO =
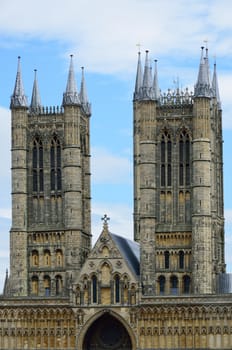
x=168, y=289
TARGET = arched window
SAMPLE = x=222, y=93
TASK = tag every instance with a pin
x=35, y=285
x=161, y=282
x=59, y=257
x=94, y=289
x=186, y=284
x=47, y=258
x=37, y=166
x=35, y=258
x=166, y=260
x=165, y=160
x=174, y=285
x=55, y=164
x=184, y=159
x=59, y=284
x=181, y=259
x=117, y=289
x=47, y=286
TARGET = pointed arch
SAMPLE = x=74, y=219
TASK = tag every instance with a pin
x=112, y=319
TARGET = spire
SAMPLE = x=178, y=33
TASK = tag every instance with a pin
x=215, y=89
x=18, y=99
x=156, y=83
x=139, y=78
x=70, y=97
x=83, y=95
x=207, y=66
x=35, y=98
x=202, y=87
x=147, y=92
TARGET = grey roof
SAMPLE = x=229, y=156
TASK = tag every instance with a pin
x=18, y=99
x=130, y=250
x=71, y=96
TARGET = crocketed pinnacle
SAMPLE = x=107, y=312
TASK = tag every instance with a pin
x=70, y=97
x=215, y=88
x=202, y=87
x=83, y=95
x=18, y=99
x=35, y=98
x=139, y=78
x=147, y=90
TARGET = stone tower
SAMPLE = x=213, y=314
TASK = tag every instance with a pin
x=50, y=236
x=178, y=185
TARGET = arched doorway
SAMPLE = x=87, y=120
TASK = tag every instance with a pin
x=107, y=333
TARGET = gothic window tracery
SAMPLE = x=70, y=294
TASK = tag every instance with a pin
x=37, y=165
x=55, y=164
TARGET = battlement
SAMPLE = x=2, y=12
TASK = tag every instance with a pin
x=41, y=110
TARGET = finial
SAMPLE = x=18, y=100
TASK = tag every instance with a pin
x=105, y=220
x=139, y=47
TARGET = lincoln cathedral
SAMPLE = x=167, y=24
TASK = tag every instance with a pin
x=168, y=289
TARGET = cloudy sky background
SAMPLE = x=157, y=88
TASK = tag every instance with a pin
x=103, y=36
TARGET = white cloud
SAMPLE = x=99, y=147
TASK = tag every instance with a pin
x=108, y=168
x=105, y=33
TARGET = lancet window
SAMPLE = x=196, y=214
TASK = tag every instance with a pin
x=117, y=288
x=55, y=164
x=184, y=159
x=166, y=259
x=161, y=282
x=94, y=289
x=59, y=285
x=174, y=285
x=37, y=165
x=186, y=284
x=166, y=160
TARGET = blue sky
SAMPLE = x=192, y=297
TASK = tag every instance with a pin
x=103, y=36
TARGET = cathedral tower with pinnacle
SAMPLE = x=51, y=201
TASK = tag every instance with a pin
x=51, y=232
x=178, y=183
x=167, y=289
